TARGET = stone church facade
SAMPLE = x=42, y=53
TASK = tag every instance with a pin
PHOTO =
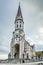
x=20, y=48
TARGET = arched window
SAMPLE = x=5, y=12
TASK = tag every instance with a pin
x=20, y=25
x=17, y=25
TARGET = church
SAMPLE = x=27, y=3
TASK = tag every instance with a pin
x=19, y=47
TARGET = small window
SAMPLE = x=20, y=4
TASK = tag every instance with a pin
x=20, y=25
x=17, y=25
x=20, y=22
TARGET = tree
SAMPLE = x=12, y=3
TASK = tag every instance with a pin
x=38, y=54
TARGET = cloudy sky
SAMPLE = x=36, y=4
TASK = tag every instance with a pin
x=32, y=11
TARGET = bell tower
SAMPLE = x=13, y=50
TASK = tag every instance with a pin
x=19, y=24
x=17, y=43
x=20, y=48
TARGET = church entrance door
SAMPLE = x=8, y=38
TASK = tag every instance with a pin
x=16, y=51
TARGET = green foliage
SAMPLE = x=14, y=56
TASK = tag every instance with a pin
x=38, y=54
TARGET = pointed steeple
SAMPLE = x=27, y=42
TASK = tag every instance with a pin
x=19, y=13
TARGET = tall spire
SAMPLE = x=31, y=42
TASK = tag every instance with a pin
x=19, y=13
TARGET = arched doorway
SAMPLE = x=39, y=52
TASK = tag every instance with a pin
x=16, y=55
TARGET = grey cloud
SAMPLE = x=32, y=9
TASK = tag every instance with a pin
x=3, y=49
x=39, y=47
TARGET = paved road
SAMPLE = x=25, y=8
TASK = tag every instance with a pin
x=32, y=63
